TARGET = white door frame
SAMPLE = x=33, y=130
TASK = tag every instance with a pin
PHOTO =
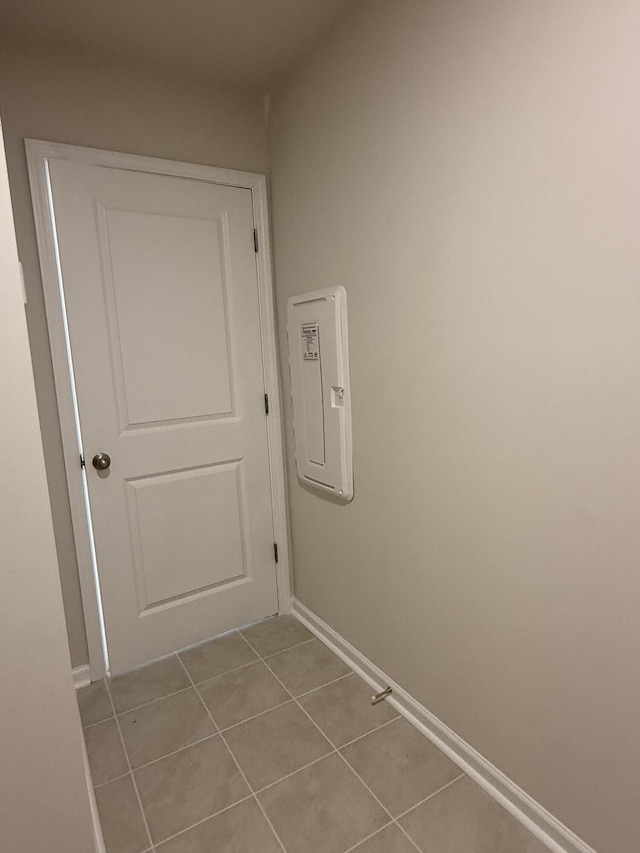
x=39, y=153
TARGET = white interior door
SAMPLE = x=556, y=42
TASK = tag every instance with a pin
x=160, y=284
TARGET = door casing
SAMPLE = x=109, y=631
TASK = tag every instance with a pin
x=39, y=154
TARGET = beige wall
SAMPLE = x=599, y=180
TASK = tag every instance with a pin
x=44, y=802
x=86, y=102
x=470, y=172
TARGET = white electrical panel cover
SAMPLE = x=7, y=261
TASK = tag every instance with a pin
x=319, y=364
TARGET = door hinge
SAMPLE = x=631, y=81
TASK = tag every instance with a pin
x=255, y=239
x=275, y=551
x=82, y=462
x=266, y=404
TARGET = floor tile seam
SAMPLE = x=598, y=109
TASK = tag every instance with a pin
x=265, y=658
x=368, y=837
x=306, y=693
x=313, y=722
x=294, y=772
x=322, y=686
x=204, y=820
x=282, y=651
x=397, y=819
x=222, y=674
x=235, y=760
x=335, y=749
x=407, y=836
x=429, y=797
x=115, y=779
x=310, y=718
x=133, y=778
x=366, y=734
x=254, y=717
x=173, y=752
x=150, y=702
x=357, y=775
x=288, y=702
x=191, y=684
x=257, y=801
x=88, y=726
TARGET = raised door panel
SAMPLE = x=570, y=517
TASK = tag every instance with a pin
x=188, y=532
x=164, y=281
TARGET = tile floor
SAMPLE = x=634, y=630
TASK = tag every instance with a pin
x=263, y=741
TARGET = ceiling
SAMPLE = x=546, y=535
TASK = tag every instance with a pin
x=249, y=43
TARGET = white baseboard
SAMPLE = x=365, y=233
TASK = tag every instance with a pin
x=554, y=834
x=81, y=676
x=95, y=817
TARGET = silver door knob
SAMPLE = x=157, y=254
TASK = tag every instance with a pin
x=101, y=461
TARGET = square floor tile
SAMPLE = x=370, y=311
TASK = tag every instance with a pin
x=400, y=765
x=464, y=819
x=388, y=840
x=306, y=667
x=343, y=710
x=148, y=683
x=188, y=786
x=240, y=829
x=217, y=657
x=276, y=635
x=241, y=694
x=276, y=743
x=120, y=817
x=94, y=703
x=104, y=750
x=323, y=808
x=164, y=726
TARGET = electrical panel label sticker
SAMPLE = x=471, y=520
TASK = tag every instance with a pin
x=310, y=342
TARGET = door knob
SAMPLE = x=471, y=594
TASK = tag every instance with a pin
x=101, y=461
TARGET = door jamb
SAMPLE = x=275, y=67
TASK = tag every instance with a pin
x=39, y=153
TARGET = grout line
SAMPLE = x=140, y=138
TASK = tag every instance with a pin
x=382, y=806
x=294, y=772
x=254, y=717
x=366, y=734
x=426, y=799
x=271, y=784
x=133, y=778
x=316, y=760
x=97, y=723
x=315, y=689
x=214, y=677
x=174, y=752
x=407, y=836
x=282, y=651
x=191, y=684
x=218, y=731
x=205, y=819
x=222, y=674
x=235, y=760
x=109, y=781
x=204, y=704
x=372, y=835
x=150, y=702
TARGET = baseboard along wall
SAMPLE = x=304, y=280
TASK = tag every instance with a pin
x=540, y=822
